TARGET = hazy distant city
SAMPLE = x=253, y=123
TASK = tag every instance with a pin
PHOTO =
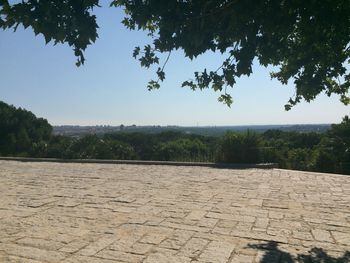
x=78, y=131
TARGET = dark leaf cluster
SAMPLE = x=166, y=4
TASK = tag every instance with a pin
x=306, y=41
x=59, y=21
x=23, y=134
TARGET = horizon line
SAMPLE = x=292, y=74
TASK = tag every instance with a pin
x=187, y=126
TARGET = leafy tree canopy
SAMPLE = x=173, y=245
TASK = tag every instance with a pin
x=60, y=21
x=21, y=130
x=308, y=42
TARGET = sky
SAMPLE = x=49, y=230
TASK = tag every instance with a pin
x=110, y=88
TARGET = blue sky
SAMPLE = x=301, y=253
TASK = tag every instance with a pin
x=110, y=89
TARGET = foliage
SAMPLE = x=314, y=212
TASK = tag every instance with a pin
x=307, y=42
x=300, y=159
x=292, y=35
x=169, y=145
x=93, y=147
x=335, y=148
x=325, y=161
x=22, y=134
x=183, y=150
x=60, y=21
x=60, y=147
x=239, y=148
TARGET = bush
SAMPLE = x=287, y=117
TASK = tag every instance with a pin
x=183, y=150
x=21, y=132
x=300, y=159
x=325, y=162
x=239, y=148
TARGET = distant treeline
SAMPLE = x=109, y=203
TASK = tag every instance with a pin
x=22, y=134
x=79, y=131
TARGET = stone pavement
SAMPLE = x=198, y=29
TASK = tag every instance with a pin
x=74, y=213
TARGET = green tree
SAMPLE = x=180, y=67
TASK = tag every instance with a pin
x=60, y=147
x=240, y=148
x=21, y=131
x=121, y=150
x=183, y=149
x=306, y=41
x=336, y=147
x=60, y=21
x=143, y=145
x=325, y=161
x=300, y=159
x=91, y=147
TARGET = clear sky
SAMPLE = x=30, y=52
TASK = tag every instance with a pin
x=110, y=89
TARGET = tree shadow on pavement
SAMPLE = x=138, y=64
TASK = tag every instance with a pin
x=316, y=255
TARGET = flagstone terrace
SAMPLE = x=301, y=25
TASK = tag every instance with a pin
x=72, y=213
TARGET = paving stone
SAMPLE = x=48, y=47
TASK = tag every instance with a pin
x=256, y=202
x=177, y=239
x=226, y=223
x=74, y=246
x=84, y=259
x=196, y=215
x=217, y=252
x=165, y=258
x=193, y=247
x=244, y=259
x=110, y=213
x=342, y=238
x=275, y=215
x=33, y=253
x=39, y=243
x=119, y=256
x=322, y=235
x=207, y=222
x=303, y=234
x=141, y=249
x=98, y=245
x=153, y=238
x=15, y=259
x=261, y=223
